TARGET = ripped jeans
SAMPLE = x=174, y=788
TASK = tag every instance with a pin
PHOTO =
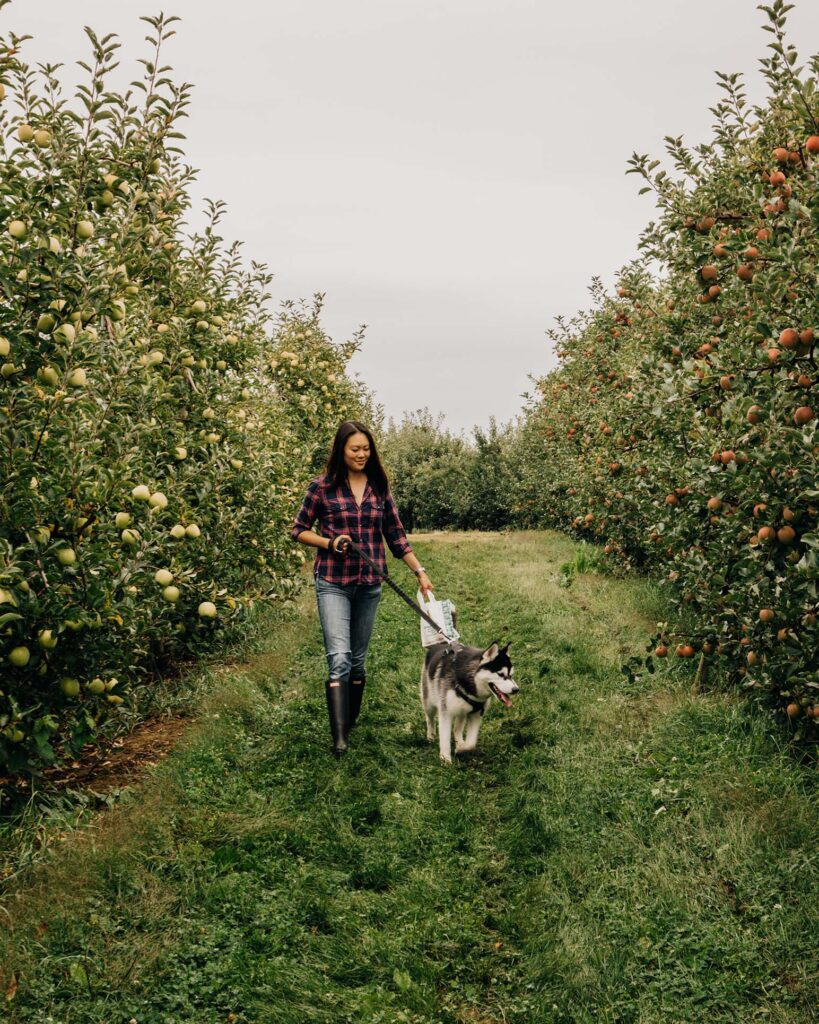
x=347, y=615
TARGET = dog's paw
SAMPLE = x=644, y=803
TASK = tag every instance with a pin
x=446, y=760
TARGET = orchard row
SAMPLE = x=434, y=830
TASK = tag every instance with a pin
x=679, y=430
x=157, y=424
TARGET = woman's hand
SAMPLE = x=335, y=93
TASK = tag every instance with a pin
x=425, y=584
x=336, y=541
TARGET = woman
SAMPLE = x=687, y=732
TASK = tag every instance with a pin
x=352, y=501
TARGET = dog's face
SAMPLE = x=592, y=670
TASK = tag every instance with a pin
x=495, y=673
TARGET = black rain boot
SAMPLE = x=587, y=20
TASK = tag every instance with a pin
x=338, y=708
x=356, y=696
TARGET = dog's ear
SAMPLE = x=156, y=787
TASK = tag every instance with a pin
x=506, y=648
x=490, y=653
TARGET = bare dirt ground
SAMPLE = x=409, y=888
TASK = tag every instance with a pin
x=122, y=762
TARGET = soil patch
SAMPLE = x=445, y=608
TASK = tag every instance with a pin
x=121, y=762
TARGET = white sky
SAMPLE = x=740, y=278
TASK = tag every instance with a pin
x=449, y=172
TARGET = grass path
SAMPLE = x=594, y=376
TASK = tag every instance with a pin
x=614, y=851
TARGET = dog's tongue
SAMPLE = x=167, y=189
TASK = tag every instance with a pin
x=502, y=697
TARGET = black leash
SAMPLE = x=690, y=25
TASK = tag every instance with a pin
x=343, y=545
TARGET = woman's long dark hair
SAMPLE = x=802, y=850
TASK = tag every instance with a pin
x=337, y=468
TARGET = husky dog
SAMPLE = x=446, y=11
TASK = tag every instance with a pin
x=457, y=683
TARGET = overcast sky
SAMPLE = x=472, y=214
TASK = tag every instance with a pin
x=449, y=172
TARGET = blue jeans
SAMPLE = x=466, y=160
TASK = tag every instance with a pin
x=347, y=615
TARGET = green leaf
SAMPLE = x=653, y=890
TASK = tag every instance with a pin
x=403, y=981
x=77, y=974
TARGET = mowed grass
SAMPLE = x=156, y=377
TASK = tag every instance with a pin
x=614, y=851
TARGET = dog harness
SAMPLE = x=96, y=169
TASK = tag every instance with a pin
x=475, y=704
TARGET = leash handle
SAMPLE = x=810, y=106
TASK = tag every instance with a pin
x=343, y=545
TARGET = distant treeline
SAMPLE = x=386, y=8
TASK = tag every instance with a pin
x=443, y=481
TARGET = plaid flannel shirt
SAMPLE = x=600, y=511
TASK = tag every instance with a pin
x=338, y=512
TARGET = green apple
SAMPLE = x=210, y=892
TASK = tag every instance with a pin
x=19, y=656
x=208, y=414
x=199, y=306
x=180, y=452
x=8, y=370
x=221, y=364
x=107, y=198
x=67, y=331
x=236, y=463
x=141, y=493
x=188, y=361
x=48, y=375
x=158, y=500
x=207, y=610
x=81, y=526
x=163, y=576
x=5, y=346
x=130, y=537
x=117, y=310
x=192, y=530
x=78, y=378
x=85, y=229
x=18, y=229
x=122, y=519
x=178, y=531
x=66, y=556
x=45, y=323
x=70, y=687
x=46, y=639
x=42, y=138
x=155, y=356
x=171, y=594
x=96, y=686
x=25, y=133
